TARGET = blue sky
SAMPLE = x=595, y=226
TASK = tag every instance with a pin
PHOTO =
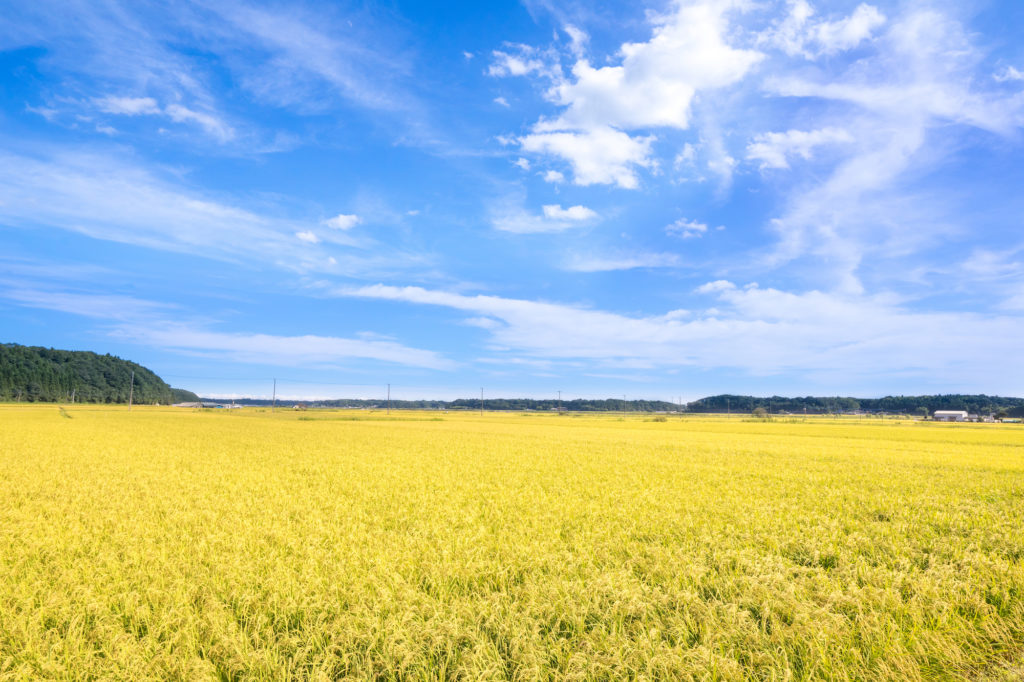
x=658, y=200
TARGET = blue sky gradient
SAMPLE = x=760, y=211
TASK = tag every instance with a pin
x=658, y=200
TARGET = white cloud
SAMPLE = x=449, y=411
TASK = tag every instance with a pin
x=128, y=106
x=717, y=286
x=686, y=156
x=554, y=176
x=686, y=228
x=138, y=106
x=656, y=81
x=159, y=325
x=508, y=215
x=526, y=60
x=920, y=78
x=308, y=237
x=267, y=349
x=574, y=213
x=467, y=55
x=774, y=149
x=107, y=307
x=501, y=101
x=798, y=34
x=522, y=163
x=578, y=39
x=111, y=198
x=652, y=86
x=837, y=36
x=600, y=156
x=343, y=221
x=759, y=331
x=593, y=263
x=1009, y=74
x=208, y=122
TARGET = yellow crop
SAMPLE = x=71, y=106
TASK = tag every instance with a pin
x=173, y=544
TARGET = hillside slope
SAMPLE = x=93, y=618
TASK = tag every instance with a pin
x=35, y=374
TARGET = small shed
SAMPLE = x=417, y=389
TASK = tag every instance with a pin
x=950, y=415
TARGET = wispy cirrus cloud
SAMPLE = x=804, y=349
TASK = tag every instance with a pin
x=124, y=58
x=774, y=150
x=918, y=79
x=112, y=198
x=155, y=324
x=620, y=261
x=760, y=331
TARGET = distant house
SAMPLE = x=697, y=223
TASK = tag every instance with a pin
x=951, y=415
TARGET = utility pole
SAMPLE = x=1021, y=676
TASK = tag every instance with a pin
x=728, y=410
x=481, y=401
x=131, y=391
x=559, y=402
x=623, y=405
x=273, y=402
x=389, y=398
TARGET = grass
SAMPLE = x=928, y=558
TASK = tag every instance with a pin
x=164, y=544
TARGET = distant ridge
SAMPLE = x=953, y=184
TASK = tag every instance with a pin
x=36, y=374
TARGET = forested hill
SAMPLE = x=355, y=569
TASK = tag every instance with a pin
x=34, y=374
x=903, y=404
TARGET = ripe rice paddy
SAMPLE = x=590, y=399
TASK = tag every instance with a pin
x=245, y=545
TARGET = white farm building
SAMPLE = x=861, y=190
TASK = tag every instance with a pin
x=950, y=416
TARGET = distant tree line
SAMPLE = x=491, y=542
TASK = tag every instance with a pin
x=738, y=404
x=511, y=404
x=975, y=404
x=35, y=374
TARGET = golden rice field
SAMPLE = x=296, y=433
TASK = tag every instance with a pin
x=244, y=545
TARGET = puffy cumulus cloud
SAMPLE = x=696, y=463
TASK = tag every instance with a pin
x=554, y=177
x=759, y=331
x=576, y=213
x=509, y=216
x=308, y=237
x=774, y=149
x=655, y=83
x=686, y=228
x=343, y=221
x=799, y=34
x=716, y=286
x=652, y=86
x=601, y=156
